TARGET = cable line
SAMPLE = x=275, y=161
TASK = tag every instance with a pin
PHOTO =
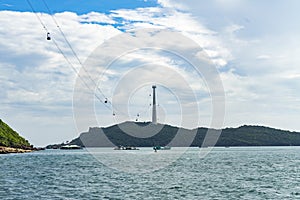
x=65, y=57
x=106, y=101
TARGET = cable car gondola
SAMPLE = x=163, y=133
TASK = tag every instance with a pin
x=48, y=36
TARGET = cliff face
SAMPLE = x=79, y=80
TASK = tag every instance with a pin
x=10, y=138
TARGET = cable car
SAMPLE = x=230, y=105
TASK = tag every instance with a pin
x=105, y=101
x=48, y=36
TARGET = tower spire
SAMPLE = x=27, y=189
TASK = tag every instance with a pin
x=154, y=120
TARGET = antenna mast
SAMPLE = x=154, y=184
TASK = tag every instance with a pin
x=154, y=119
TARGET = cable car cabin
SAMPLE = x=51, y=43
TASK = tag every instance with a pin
x=48, y=36
x=105, y=101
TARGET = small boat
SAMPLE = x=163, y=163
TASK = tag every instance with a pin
x=125, y=148
x=73, y=146
x=162, y=148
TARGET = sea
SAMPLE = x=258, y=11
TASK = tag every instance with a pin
x=179, y=173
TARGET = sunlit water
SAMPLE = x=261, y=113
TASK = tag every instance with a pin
x=225, y=173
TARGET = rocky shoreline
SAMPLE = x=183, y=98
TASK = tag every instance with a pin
x=6, y=150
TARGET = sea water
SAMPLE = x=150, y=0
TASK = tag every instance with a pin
x=224, y=173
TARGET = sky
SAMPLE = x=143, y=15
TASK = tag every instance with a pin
x=254, y=46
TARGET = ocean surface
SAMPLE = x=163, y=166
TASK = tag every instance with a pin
x=104, y=173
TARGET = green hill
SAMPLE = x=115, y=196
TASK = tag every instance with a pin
x=10, y=138
x=147, y=135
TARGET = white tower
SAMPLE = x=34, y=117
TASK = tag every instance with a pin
x=154, y=120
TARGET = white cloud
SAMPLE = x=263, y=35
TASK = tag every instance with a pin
x=263, y=57
x=233, y=28
x=96, y=17
x=179, y=21
x=229, y=4
x=172, y=4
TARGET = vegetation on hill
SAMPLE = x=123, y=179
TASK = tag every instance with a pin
x=10, y=138
x=241, y=136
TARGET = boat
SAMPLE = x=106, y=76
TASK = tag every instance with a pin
x=125, y=148
x=162, y=148
x=72, y=146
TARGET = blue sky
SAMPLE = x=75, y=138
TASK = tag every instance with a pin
x=253, y=44
x=79, y=6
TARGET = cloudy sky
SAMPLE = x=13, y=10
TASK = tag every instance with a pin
x=254, y=45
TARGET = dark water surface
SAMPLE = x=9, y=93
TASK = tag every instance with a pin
x=225, y=173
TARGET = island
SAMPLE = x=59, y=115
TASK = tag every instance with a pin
x=140, y=134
